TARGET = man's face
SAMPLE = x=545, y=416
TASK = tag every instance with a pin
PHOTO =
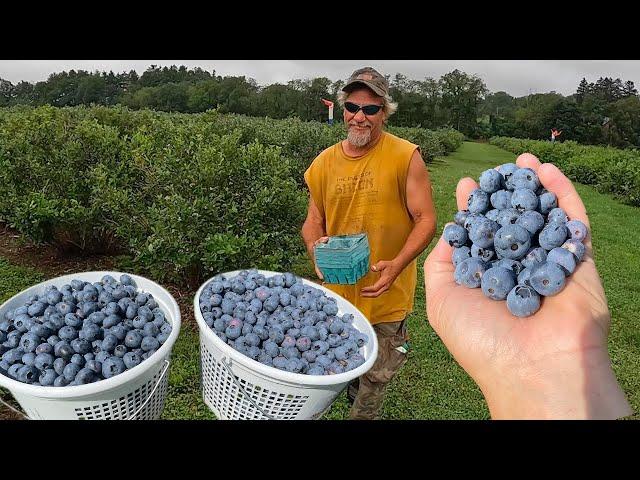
x=361, y=128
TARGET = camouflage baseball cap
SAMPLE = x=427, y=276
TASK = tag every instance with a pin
x=369, y=77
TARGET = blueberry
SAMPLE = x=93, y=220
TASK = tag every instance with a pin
x=90, y=332
x=13, y=339
x=288, y=342
x=501, y=199
x=508, y=216
x=150, y=343
x=276, y=335
x=78, y=360
x=455, y=235
x=553, y=235
x=53, y=298
x=44, y=348
x=60, y=381
x=557, y=215
x=102, y=356
x=36, y=309
x=309, y=355
x=311, y=332
x=112, y=366
x=52, y=340
x=548, y=278
x=252, y=339
x=127, y=280
x=120, y=351
x=29, y=359
x=525, y=275
x=28, y=374
x=23, y=323
x=47, y=377
x=334, y=340
x=81, y=346
x=547, y=202
x=253, y=352
x=44, y=361
x=70, y=371
x=280, y=362
x=29, y=342
x=497, y=282
x=576, y=247
x=265, y=359
x=150, y=330
x=468, y=273
x=577, y=230
x=271, y=348
x=531, y=220
x=111, y=321
x=507, y=170
x=303, y=343
x=340, y=353
x=482, y=232
x=41, y=331
x=512, y=241
x=490, y=181
x=335, y=368
x=131, y=360
x=523, y=301
x=133, y=339
x=525, y=178
x=485, y=254
x=162, y=337
x=62, y=349
x=97, y=318
x=95, y=366
x=323, y=361
x=493, y=215
x=109, y=342
x=59, y=364
x=564, y=258
x=478, y=201
x=534, y=256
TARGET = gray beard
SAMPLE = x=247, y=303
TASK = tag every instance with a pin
x=357, y=139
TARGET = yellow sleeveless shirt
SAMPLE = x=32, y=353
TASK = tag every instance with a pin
x=368, y=194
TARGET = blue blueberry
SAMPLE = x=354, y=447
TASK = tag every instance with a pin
x=501, y=199
x=60, y=381
x=523, y=301
x=525, y=178
x=78, y=360
x=47, y=377
x=482, y=232
x=490, y=181
x=94, y=365
x=81, y=346
x=531, y=220
x=150, y=343
x=478, y=201
x=43, y=361
x=41, y=331
x=29, y=342
x=507, y=170
x=515, y=266
x=564, y=258
x=534, y=256
x=23, y=323
x=460, y=254
x=493, y=215
x=29, y=359
x=120, y=351
x=113, y=366
x=512, y=241
x=36, y=309
x=455, y=235
x=460, y=217
x=70, y=371
x=496, y=283
x=547, y=202
x=508, y=216
x=577, y=230
x=127, y=280
x=28, y=374
x=131, y=359
x=252, y=339
x=576, y=247
x=557, y=215
x=469, y=272
x=485, y=254
x=102, y=356
x=553, y=235
x=150, y=330
x=90, y=332
x=548, y=278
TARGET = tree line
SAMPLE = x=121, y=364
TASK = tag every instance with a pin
x=603, y=112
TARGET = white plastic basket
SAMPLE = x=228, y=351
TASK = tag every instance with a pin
x=138, y=393
x=236, y=387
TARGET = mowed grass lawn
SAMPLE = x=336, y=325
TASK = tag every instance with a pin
x=432, y=385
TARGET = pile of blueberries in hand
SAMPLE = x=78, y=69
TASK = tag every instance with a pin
x=282, y=323
x=82, y=333
x=513, y=241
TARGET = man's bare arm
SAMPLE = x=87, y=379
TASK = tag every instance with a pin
x=313, y=231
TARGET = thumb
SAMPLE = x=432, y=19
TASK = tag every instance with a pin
x=381, y=265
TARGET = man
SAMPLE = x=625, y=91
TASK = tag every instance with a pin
x=377, y=183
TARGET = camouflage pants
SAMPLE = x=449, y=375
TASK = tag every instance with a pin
x=369, y=388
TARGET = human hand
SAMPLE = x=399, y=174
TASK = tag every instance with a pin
x=315, y=265
x=553, y=364
x=389, y=271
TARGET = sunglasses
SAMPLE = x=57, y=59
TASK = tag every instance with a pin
x=366, y=109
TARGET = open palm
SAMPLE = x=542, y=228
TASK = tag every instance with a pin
x=545, y=365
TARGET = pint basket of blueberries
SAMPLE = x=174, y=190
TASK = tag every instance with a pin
x=89, y=346
x=344, y=259
x=278, y=347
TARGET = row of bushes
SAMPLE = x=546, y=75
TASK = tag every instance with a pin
x=609, y=170
x=183, y=195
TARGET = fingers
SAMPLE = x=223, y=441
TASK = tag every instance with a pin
x=568, y=199
x=438, y=262
x=381, y=265
x=321, y=240
x=376, y=289
x=319, y=273
x=527, y=160
x=463, y=190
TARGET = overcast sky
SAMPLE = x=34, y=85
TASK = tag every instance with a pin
x=516, y=77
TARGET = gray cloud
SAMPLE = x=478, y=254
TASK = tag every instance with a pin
x=516, y=77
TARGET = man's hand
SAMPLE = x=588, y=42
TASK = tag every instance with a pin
x=389, y=271
x=315, y=264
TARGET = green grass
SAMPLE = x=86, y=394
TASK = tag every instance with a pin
x=432, y=385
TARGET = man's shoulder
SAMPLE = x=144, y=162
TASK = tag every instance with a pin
x=326, y=153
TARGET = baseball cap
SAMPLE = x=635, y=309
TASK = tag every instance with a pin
x=369, y=77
